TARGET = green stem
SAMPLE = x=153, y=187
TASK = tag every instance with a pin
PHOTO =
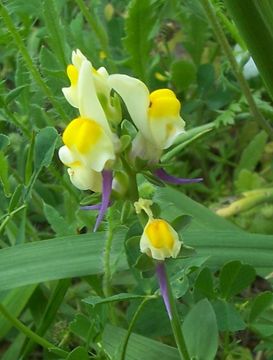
x=27, y=59
x=8, y=217
x=130, y=328
x=32, y=335
x=95, y=25
x=250, y=200
x=222, y=40
x=166, y=292
x=49, y=314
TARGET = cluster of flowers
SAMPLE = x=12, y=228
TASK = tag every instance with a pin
x=91, y=142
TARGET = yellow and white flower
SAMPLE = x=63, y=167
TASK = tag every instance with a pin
x=88, y=85
x=87, y=151
x=159, y=240
x=156, y=115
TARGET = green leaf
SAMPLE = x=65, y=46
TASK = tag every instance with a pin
x=14, y=350
x=228, y=318
x=14, y=301
x=80, y=353
x=248, y=180
x=205, y=77
x=214, y=237
x=260, y=303
x=97, y=300
x=45, y=144
x=49, y=315
x=254, y=20
x=15, y=197
x=138, y=345
x=186, y=139
x=139, y=27
x=4, y=176
x=144, y=263
x=181, y=222
x=252, y=153
x=57, y=222
x=29, y=160
x=4, y=141
x=80, y=326
x=175, y=203
x=235, y=277
x=203, y=286
x=125, y=141
x=56, y=30
x=153, y=179
x=14, y=93
x=201, y=340
x=57, y=258
x=180, y=286
x=183, y=74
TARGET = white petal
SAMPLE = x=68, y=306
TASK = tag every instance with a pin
x=70, y=93
x=145, y=149
x=66, y=156
x=78, y=58
x=99, y=154
x=85, y=179
x=89, y=104
x=135, y=95
x=165, y=130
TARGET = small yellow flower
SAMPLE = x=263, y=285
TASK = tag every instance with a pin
x=156, y=115
x=87, y=150
x=90, y=92
x=159, y=240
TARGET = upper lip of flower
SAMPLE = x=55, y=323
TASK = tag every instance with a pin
x=146, y=108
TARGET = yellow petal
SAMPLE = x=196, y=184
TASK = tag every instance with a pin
x=159, y=240
x=82, y=134
x=163, y=103
x=72, y=74
x=159, y=234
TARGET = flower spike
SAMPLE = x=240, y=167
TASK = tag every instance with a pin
x=107, y=179
x=163, y=175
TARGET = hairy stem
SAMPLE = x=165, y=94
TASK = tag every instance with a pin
x=32, y=335
x=222, y=40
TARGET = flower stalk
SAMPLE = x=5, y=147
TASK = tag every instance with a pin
x=169, y=302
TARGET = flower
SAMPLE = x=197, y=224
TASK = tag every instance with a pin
x=90, y=145
x=156, y=115
x=86, y=151
x=89, y=86
x=159, y=240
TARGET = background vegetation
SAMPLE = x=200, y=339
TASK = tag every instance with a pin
x=200, y=50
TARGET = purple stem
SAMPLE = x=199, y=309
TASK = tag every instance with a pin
x=163, y=175
x=107, y=179
x=161, y=275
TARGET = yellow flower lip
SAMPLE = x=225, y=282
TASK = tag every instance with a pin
x=72, y=74
x=163, y=103
x=82, y=134
x=159, y=234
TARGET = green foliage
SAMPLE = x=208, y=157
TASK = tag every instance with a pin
x=139, y=26
x=235, y=277
x=202, y=341
x=94, y=295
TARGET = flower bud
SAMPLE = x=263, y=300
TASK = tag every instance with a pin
x=159, y=240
